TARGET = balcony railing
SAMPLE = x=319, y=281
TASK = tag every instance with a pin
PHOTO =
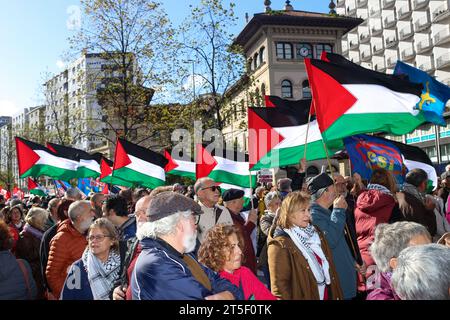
x=443, y=61
x=366, y=55
x=404, y=12
x=364, y=37
x=353, y=44
x=389, y=21
x=340, y=3
x=378, y=48
x=361, y=3
x=391, y=42
x=351, y=11
x=440, y=11
x=442, y=37
x=424, y=46
x=380, y=67
x=422, y=24
x=408, y=54
x=387, y=4
x=406, y=32
x=420, y=4
x=427, y=67
x=391, y=61
x=374, y=12
x=376, y=31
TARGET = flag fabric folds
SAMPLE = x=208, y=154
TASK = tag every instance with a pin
x=35, y=188
x=106, y=168
x=178, y=166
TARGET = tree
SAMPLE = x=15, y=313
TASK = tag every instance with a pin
x=205, y=37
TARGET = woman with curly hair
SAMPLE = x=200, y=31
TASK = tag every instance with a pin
x=221, y=251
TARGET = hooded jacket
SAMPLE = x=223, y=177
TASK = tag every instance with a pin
x=12, y=280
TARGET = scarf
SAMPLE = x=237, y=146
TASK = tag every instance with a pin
x=409, y=188
x=379, y=187
x=33, y=231
x=101, y=275
x=308, y=242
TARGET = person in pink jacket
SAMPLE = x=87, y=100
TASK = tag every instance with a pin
x=221, y=251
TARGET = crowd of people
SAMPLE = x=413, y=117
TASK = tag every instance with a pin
x=326, y=237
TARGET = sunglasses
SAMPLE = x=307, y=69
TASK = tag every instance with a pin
x=213, y=188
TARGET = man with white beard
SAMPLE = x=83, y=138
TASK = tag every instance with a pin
x=165, y=270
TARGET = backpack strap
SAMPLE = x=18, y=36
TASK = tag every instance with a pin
x=25, y=275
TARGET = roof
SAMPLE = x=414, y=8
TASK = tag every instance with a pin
x=295, y=18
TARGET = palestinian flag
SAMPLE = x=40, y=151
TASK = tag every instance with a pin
x=349, y=99
x=139, y=165
x=35, y=160
x=277, y=135
x=36, y=189
x=178, y=167
x=106, y=168
x=224, y=166
x=89, y=165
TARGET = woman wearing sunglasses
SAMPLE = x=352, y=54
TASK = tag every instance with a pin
x=93, y=276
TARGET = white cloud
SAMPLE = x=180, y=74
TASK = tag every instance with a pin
x=197, y=79
x=74, y=20
x=9, y=108
x=60, y=64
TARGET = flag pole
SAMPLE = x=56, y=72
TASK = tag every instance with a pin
x=328, y=159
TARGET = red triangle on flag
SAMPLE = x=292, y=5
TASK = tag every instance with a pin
x=31, y=184
x=171, y=163
x=26, y=157
x=105, y=189
x=121, y=158
x=105, y=169
x=49, y=146
x=331, y=99
x=261, y=137
x=269, y=104
x=204, y=162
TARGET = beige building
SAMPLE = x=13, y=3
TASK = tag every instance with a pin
x=275, y=44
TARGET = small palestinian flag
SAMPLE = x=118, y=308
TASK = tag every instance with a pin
x=179, y=167
x=224, y=166
x=139, y=165
x=349, y=99
x=277, y=134
x=106, y=167
x=35, y=160
x=247, y=192
x=36, y=189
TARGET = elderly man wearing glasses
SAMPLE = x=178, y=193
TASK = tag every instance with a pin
x=165, y=269
x=208, y=194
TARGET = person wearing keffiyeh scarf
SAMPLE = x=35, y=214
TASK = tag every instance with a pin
x=93, y=276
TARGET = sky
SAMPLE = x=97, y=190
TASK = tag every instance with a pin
x=33, y=40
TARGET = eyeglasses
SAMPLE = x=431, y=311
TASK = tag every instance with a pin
x=196, y=219
x=98, y=237
x=213, y=188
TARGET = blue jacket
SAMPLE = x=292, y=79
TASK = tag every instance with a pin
x=161, y=274
x=76, y=286
x=12, y=279
x=128, y=229
x=332, y=224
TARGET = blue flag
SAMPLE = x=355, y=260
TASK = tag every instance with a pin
x=434, y=95
x=367, y=153
x=88, y=185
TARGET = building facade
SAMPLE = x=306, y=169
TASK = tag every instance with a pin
x=5, y=147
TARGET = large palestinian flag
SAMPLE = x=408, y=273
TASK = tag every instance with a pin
x=224, y=166
x=88, y=165
x=349, y=99
x=106, y=167
x=277, y=135
x=178, y=166
x=139, y=165
x=35, y=160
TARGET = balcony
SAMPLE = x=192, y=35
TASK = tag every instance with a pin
x=443, y=61
x=442, y=37
x=404, y=12
x=378, y=48
x=388, y=4
x=421, y=4
x=427, y=67
x=424, y=46
x=353, y=44
x=344, y=51
x=376, y=31
x=422, y=24
x=390, y=62
x=364, y=38
x=361, y=3
x=340, y=3
x=408, y=54
x=440, y=13
x=366, y=55
x=375, y=12
x=351, y=11
x=406, y=32
x=355, y=60
x=380, y=67
x=391, y=42
x=390, y=22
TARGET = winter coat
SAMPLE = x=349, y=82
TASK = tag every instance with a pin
x=66, y=247
x=160, y=273
x=77, y=286
x=414, y=210
x=372, y=208
x=290, y=275
x=332, y=224
x=208, y=219
x=128, y=229
x=382, y=289
x=265, y=225
x=13, y=285
x=44, y=250
x=246, y=228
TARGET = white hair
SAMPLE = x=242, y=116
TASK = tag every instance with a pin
x=73, y=194
x=391, y=239
x=35, y=216
x=161, y=227
x=270, y=197
x=77, y=208
x=423, y=273
x=200, y=183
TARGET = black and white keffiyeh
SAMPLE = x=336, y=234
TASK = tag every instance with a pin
x=101, y=275
x=308, y=242
x=379, y=187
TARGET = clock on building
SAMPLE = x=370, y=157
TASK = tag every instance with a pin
x=304, y=50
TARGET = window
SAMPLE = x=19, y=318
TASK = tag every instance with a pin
x=306, y=90
x=284, y=50
x=303, y=50
x=255, y=61
x=261, y=55
x=319, y=48
x=286, y=89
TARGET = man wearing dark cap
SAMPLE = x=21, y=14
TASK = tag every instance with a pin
x=165, y=270
x=332, y=224
x=234, y=202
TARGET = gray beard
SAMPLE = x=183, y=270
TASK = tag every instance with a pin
x=189, y=242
